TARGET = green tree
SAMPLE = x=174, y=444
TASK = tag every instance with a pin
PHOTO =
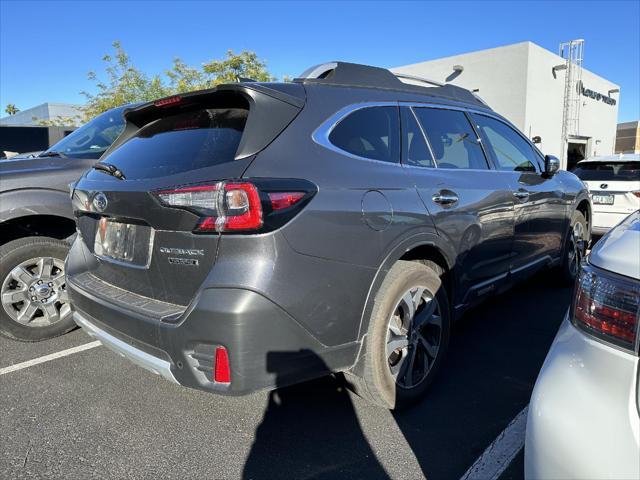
x=127, y=84
x=234, y=67
x=124, y=84
x=11, y=109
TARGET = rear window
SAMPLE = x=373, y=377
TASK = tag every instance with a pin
x=183, y=142
x=372, y=132
x=611, y=171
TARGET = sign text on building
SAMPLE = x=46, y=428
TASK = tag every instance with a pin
x=587, y=92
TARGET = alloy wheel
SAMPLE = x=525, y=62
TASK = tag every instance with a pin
x=576, y=247
x=34, y=293
x=414, y=335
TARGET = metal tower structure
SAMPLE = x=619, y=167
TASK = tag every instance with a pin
x=572, y=52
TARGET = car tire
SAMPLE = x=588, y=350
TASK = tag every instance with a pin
x=34, y=304
x=573, y=248
x=384, y=382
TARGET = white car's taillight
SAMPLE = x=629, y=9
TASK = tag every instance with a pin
x=606, y=305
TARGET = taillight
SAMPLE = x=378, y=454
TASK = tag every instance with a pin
x=606, y=306
x=636, y=193
x=238, y=206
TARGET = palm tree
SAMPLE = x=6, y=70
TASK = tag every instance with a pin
x=11, y=109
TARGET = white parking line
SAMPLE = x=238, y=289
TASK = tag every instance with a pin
x=48, y=358
x=497, y=457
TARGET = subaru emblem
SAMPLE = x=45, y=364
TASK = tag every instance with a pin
x=100, y=202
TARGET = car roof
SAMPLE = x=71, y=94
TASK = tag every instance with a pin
x=621, y=157
x=617, y=251
x=344, y=74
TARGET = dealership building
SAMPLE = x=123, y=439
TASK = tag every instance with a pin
x=569, y=111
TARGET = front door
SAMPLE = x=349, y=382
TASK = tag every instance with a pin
x=470, y=203
x=540, y=217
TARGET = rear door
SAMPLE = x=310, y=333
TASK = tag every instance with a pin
x=470, y=203
x=540, y=211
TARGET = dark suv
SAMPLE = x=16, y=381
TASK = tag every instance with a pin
x=257, y=235
x=36, y=225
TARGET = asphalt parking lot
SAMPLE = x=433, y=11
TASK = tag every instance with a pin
x=93, y=414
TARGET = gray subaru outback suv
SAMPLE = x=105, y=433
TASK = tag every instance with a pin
x=338, y=223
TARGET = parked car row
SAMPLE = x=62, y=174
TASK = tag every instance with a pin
x=614, y=186
x=36, y=226
x=338, y=223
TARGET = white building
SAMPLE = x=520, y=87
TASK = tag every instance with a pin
x=526, y=83
x=72, y=114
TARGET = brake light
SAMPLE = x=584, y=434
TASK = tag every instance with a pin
x=606, y=306
x=636, y=193
x=222, y=370
x=169, y=101
x=235, y=206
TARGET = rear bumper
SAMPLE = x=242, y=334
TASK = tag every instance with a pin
x=137, y=356
x=583, y=418
x=604, y=221
x=267, y=348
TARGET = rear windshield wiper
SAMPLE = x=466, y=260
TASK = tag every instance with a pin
x=52, y=153
x=109, y=169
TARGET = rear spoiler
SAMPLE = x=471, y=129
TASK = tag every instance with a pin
x=271, y=108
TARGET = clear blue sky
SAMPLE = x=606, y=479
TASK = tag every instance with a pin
x=46, y=48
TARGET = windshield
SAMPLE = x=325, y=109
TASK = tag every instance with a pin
x=93, y=138
x=611, y=171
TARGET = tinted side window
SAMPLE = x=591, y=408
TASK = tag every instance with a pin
x=415, y=151
x=372, y=132
x=452, y=139
x=511, y=151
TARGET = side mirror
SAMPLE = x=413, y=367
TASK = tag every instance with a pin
x=551, y=165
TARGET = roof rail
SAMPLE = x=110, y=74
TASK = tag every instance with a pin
x=418, y=79
x=365, y=76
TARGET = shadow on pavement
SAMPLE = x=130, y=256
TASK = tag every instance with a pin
x=496, y=350
x=309, y=430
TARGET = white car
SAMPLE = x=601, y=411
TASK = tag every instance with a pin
x=614, y=185
x=584, y=415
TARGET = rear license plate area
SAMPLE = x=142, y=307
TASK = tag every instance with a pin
x=602, y=199
x=123, y=242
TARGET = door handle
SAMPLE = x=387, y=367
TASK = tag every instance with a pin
x=445, y=198
x=521, y=194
